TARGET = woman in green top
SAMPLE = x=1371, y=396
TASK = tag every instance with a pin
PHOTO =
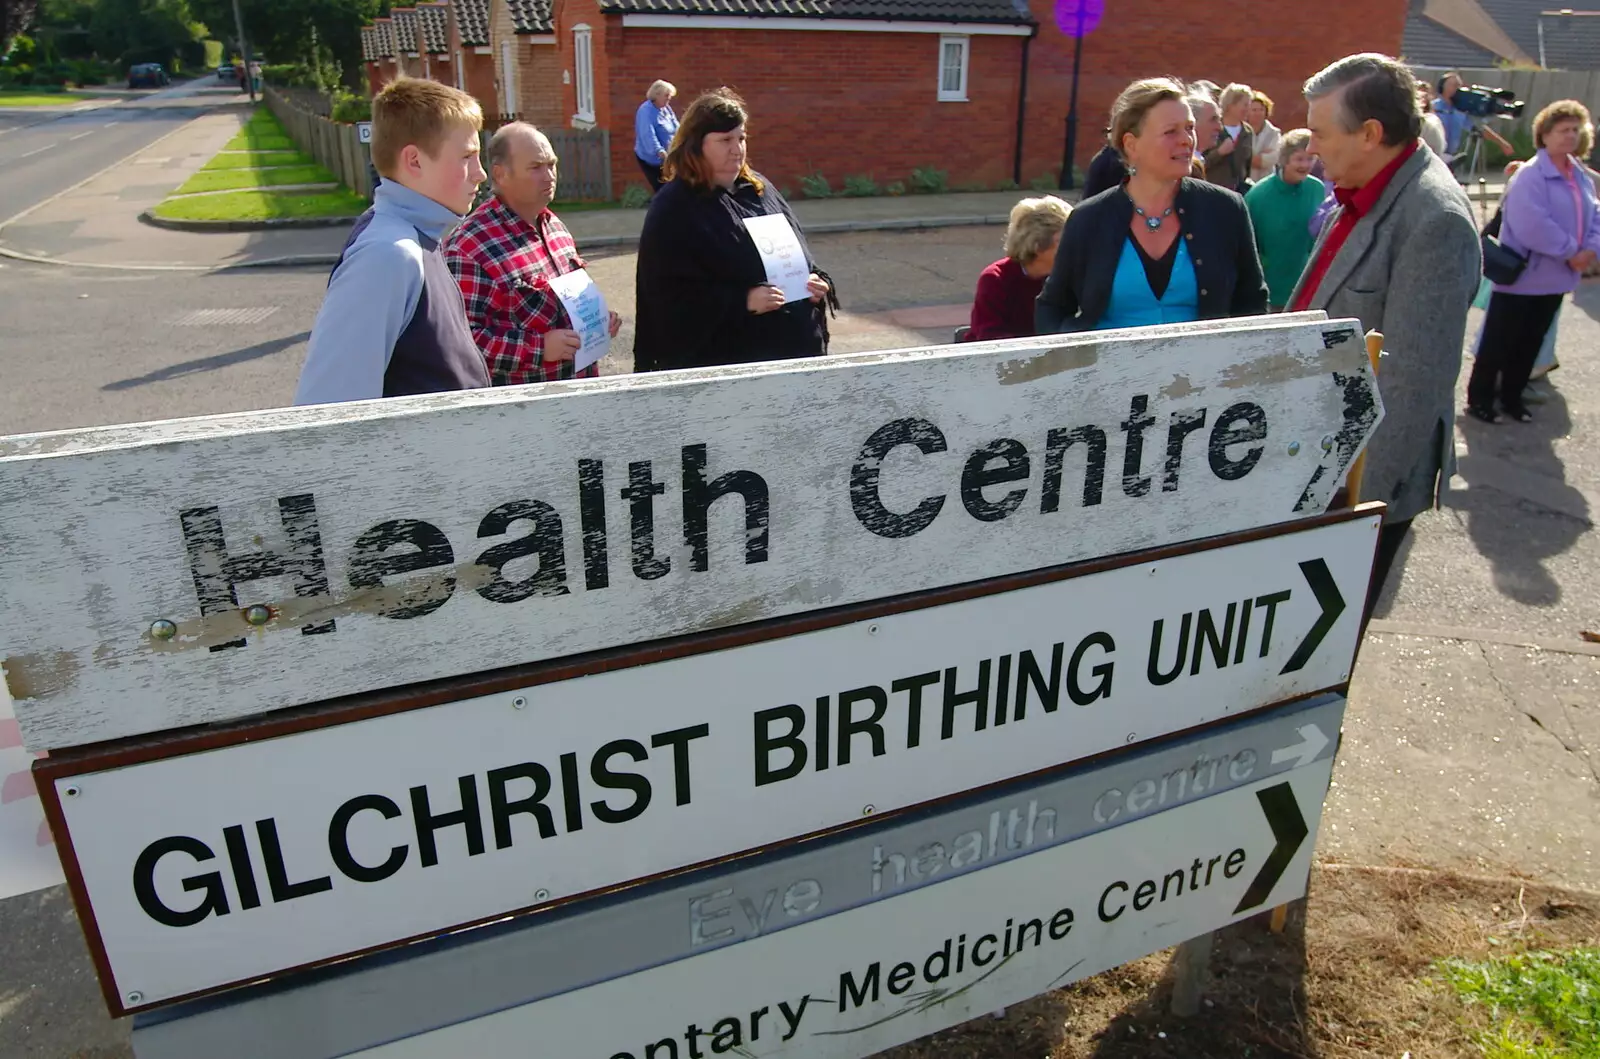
x=1281, y=207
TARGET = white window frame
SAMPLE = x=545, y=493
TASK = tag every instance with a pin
x=964, y=42
x=583, y=72
x=461, y=71
x=508, y=78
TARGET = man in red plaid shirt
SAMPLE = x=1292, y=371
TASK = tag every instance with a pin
x=504, y=255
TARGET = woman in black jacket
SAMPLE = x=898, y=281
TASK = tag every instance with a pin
x=703, y=295
x=1161, y=248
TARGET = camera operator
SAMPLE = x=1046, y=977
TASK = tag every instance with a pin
x=1458, y=121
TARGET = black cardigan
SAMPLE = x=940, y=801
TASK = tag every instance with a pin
x=1222, y=245
x=696, y=266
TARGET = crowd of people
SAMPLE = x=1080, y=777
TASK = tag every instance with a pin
x=1197, y=208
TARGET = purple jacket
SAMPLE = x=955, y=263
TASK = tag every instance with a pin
x=1540, y=221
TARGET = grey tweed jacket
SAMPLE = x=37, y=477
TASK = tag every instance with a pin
x=1410, y=269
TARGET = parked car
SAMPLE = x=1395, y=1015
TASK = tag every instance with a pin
x=228, y=74
x=147, y=75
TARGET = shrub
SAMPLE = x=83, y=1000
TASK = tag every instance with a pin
x=1007, y=185
x=1043, y=182
x=930, y=181
x=896, y=187
x=635, y=197
x=816, y=186
x=861, y=186
x=349, y=108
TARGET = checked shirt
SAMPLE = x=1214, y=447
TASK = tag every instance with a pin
x=504, y=265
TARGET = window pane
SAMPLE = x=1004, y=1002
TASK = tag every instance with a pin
x=950, y=67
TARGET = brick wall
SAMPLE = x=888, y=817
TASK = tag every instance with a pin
x=1271, y=47
x=539, y=83
x=480, y=80
x=831, y=102
x=606, y=34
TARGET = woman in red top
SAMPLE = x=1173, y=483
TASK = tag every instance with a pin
x=1007, y=289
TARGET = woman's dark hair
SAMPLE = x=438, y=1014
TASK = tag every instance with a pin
x=720, y=110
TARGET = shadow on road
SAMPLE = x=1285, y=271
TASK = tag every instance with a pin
x=214, y=363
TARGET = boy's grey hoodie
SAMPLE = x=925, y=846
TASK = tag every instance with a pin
x=392, y=321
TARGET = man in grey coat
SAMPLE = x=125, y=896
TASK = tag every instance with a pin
x=1401, y=254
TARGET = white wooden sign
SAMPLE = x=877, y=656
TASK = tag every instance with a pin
x=862, y=981
x=168, y=574
x=28, y=858
x=211, y=868
x=364, y=132
x=373, y=1000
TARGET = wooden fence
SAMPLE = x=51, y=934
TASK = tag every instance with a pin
x=1537, y=88
x=336, y=147
x=585, y=157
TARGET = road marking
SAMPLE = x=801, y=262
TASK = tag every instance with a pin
x=108, y=124
x=219, y=317
x=36, y=150
x=81, y=135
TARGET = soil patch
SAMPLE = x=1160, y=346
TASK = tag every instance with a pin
x=1353, y=975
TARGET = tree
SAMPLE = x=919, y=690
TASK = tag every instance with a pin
x=310, y=32
x=15, y=17
x=134, y=31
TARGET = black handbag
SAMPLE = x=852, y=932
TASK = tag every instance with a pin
x=1501, y=264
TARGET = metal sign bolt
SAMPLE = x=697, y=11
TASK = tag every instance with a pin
x=135, y=997
x=72, y=790
x=541, y=895
x=868, y=810
x=872, y=630
x=162, y=629
x=1294, y=448
x=519, y=703
x=257, y=614
x=1327, y=444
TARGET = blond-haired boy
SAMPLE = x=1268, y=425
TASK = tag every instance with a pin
x=393, y=321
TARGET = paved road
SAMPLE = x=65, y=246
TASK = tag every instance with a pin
x=86, y=347
x=40, y=158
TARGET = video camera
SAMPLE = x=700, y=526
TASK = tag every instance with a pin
x=1481, y=101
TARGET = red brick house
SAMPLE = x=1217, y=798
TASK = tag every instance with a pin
x=526, y=61
x=405, y=39
x=383, y=65
x=474, y=68
x=433, y=41
x=880, y=87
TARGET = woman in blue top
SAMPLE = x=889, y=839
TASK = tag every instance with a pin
x=653, y=126
x=1161, y=248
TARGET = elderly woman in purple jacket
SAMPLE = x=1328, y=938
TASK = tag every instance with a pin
x=1552, y=217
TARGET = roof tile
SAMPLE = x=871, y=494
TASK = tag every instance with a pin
x=1012, y=12
x=405, y=28
x=531, y=16
x=472, y=21
x=433, y=25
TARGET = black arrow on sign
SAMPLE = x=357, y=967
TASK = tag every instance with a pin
x=1328, y=595
x=1289, y=828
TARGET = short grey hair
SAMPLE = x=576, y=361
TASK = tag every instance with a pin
x=1199, y=100
x=500, y=142
x=1372, y=87
x=1294, y=140
x=656, y=88
x=1035, y=223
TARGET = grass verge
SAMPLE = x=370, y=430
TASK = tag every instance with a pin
x=243, y=179
x=261, y=133
x=262, y=139
x=1541, y=1005
x=261, y=205
x=35, y=98
x=256, y=159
